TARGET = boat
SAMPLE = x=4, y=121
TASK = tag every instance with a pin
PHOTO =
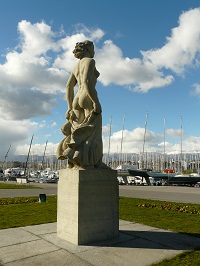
x=167, y=178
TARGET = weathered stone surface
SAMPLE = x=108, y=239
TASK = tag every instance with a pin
x=87, y=205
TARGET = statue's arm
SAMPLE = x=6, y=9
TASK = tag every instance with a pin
x=89, y=81
x=70, y=92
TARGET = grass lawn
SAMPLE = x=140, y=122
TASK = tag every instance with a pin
x=178, y=217
x=15, y=212
x=173, y=216
x=189, y=258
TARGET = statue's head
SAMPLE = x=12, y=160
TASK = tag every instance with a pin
x=82, y=48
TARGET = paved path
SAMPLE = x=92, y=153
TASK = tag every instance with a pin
x=137, y=245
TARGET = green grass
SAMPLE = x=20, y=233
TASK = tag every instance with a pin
x=173, y=216
x=13, y=186
x=176, y=217
x=188, y=258
x=27, y=211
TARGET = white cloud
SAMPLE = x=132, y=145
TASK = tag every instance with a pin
x=37, y=149
x=181, y=47
x=36, y=39
x=54, y=124
x=196, y=90
x=192, y=144
x=132, y=141
x=28, y=83
x=136, y=73
x=180, y=51
x=176, y=133
x=155, y=82
x=13, y=132
x=106, y=129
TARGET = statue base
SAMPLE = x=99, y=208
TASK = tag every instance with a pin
x=88, y=205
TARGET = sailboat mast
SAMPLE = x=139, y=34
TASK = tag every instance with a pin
x=122, y=139
x=44, y=154
x=145, y=130
x=164, y=136
x=28, y=156
x=5, y=161
x=109, y=139
x=164, y=166
x=6, y=156
x=181, y=129
x=181, y=137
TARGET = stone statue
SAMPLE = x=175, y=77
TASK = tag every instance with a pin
x=82, y=145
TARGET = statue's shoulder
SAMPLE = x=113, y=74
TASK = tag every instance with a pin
x=88, y=60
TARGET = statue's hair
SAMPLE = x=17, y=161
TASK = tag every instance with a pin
x=82, y=47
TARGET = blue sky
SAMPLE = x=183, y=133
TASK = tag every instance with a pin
x=147, y=53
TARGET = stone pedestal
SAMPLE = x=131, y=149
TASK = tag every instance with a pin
x=88, y=205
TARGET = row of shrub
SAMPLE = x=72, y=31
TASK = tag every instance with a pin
x=7, y=201
x=172, y=207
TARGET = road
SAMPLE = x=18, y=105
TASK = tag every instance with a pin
x=43, y=188
x=163, y=193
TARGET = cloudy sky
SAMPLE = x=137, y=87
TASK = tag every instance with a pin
x=147, y=53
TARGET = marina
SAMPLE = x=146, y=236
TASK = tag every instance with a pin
x=129, y=173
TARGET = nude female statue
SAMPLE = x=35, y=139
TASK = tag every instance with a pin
x=82, y=145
